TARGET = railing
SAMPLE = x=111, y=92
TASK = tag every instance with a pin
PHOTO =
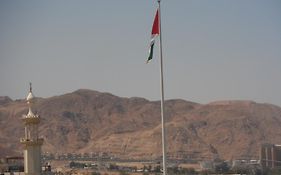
x=38, y=141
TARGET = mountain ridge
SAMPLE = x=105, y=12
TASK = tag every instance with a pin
x=92, y=121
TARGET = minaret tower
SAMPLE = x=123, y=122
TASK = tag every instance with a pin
x=31, y=141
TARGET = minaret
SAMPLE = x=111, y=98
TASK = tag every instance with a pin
x=32, y=143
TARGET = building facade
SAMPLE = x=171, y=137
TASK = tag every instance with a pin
x=270, y=156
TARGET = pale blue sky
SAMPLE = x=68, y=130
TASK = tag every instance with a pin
x=213, y=49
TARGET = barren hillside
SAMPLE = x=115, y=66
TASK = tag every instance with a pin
x=91, y=121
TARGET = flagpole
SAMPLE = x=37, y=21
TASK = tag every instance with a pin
x=162, y=95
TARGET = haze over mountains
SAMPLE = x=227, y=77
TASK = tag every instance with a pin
x=90, y=121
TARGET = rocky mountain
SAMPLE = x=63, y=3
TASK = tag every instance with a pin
x=90, y=121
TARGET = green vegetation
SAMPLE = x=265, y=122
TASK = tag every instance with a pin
x=123, y=173
x=76, y=165
x=181, y=171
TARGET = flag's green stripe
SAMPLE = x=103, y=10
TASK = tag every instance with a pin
x=150, y=52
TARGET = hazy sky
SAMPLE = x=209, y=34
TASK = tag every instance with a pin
x=213, y=49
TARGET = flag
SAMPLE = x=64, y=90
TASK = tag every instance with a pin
x=154, y=33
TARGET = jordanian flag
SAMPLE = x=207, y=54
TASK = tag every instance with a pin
x=154, y=34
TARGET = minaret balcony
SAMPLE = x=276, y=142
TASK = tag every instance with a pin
x=31, y=120
x=29, y=142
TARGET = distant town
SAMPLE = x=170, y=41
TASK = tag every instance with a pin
x=269, y=162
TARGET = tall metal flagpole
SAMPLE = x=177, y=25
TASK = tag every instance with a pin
x=162, y=96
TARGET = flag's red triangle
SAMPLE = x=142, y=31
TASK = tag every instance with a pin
x=155, y=27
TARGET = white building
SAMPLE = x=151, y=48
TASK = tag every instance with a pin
x=31, y=141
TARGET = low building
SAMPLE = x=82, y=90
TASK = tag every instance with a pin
x=270, y=156
x=12, y=164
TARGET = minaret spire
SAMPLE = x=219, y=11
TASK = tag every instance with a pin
x=30, y=101
x=30, y=87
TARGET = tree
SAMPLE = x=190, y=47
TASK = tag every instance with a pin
x=157, y=169
x=222, y=168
